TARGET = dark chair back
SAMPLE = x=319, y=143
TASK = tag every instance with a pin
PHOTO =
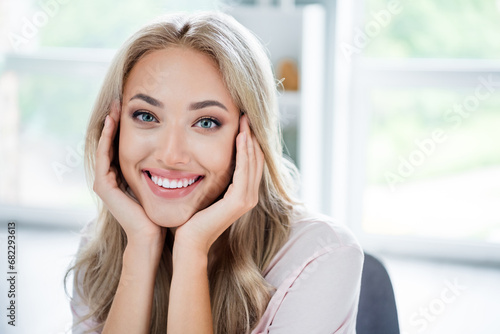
x=377, y=312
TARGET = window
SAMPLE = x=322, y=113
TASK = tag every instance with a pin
x=424, y=149
x=52, y=61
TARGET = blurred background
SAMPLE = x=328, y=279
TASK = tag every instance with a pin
x=390, y=109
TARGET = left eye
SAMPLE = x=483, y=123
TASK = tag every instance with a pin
x=207, y=123
x=144, y=116
x=147, y=118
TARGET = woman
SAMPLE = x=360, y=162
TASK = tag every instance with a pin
x=198, y=231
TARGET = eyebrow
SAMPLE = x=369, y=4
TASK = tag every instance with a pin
x=206, y=104
x=148, y=99
x=193, y=106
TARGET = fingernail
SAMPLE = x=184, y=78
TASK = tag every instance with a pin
x=106, y=121
x=244, y=136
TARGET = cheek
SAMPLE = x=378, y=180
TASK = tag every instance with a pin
x=222, y=156
x=224, y=166
x=218, y=159
x=130, y=150
x=125, y=150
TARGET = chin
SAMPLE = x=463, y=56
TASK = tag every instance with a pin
x=174, y=216
x=176, y=212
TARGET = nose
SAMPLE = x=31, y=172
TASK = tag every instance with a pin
x=172, y=146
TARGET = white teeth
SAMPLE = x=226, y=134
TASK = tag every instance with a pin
x=172, y=184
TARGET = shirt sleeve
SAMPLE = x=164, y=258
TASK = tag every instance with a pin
x=323, y=298
x=79, y=308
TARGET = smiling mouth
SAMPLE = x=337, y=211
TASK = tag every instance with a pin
x=173, y=183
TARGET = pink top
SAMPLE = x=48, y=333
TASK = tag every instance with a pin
x=317, y=275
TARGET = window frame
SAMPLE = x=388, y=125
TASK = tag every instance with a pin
x=353, y=81
x=73, y=61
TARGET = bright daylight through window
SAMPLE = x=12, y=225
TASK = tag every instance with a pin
x=431, y=78
x=52, y=62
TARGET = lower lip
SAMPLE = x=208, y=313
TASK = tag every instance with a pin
x=170, y=193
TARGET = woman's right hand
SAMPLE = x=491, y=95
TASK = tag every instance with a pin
x=129, y=213
x=132, y=304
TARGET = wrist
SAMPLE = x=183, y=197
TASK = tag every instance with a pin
x=188, y=244
x=145, y=248
x=182, y=253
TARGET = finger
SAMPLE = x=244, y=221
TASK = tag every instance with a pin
x=103, y=159
x=114, y=113
x=253, y=149
x=252, y=165
x=104, y=154
x=256, y=167
x=251, y=143
x=255, y=163
x=114, y=110
x=237, y=190
x=245, y=127
x=250, y=148
x=259, y=160
x=244, y=124
x=241, y=169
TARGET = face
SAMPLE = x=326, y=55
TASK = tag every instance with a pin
x=178, y=127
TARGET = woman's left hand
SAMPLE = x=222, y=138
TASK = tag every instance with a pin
x=200, y=232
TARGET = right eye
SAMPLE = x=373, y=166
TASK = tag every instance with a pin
x=144, y=116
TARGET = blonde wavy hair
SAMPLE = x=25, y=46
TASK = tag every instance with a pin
x=239, y=293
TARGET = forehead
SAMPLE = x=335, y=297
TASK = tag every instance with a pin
x=177, y=77
x=174, y=66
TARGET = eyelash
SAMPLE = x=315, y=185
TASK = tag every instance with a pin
x=212, y=119
x=137, y=114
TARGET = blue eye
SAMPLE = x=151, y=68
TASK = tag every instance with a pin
x=144, y=116
x=207, y=123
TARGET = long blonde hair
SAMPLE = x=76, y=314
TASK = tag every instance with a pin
x=239, y=293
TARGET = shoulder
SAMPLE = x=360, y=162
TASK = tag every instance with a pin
x=87, y=234
x=322, y=231
x=79, y=304
x=316, y=276
x=313, y=237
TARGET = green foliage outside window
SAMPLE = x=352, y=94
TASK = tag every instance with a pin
x=437, y=29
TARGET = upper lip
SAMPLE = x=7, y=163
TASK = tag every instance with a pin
x=170, y=174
